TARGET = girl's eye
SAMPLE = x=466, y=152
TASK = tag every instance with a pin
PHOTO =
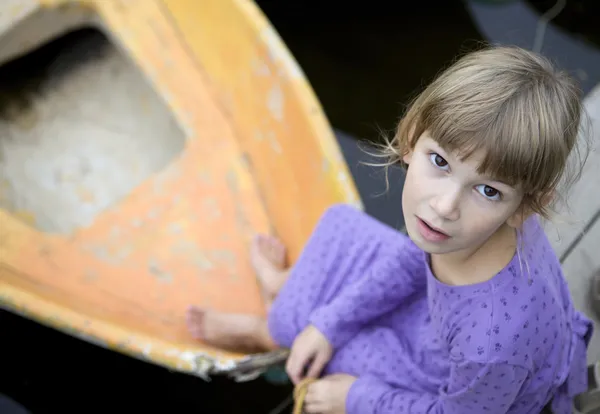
x=438, y=160
x=488, y=192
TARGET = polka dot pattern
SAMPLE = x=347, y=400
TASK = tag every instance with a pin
x=507, y=345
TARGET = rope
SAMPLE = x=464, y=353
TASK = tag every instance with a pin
x=300, y=394
x=540, y=31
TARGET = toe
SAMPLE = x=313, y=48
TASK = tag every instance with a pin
x=194, y=311
x=197, y=333
x=195, y=321
x=261, y=241
x=275, y=251
x=280, y=249
x=276, y=245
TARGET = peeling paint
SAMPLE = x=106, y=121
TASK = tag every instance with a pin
x=211, y=208
x=223, y=255
x=228, y=102
x=275, y=101
x=194, y=254
x=278, y=53
x=274, y=143
x=109, y=254
x=146, y=350
x=205, y=177
x=203, y=263
x=45, y=251
x=177, y=200
x=261, y=68
x=175, y=228
x=246, y=160
x=92, y=339
x=203, y=365
x=123, y=252
x=98, y=251
x=164, y=177
x=90, y=276
x=199, y=364
x=122, y=345
x=115, y=232
x=348, y=189
x=158, y=272
x=184, y=246
x=153, y=214
x=232, y=181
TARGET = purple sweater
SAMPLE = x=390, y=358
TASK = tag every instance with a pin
x=508, y=345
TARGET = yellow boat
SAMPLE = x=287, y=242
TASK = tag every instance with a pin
x=142, y=144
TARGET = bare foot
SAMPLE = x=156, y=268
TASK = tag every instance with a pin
x=229, y=331
x=268, y=259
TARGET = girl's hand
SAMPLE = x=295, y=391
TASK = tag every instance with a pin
x=310, y=351
x=328, y=395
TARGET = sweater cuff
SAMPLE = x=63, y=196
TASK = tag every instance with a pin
x=330, y=326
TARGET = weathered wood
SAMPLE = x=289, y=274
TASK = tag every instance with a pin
x=583, y=199
x=576, y=235
x=579, y=268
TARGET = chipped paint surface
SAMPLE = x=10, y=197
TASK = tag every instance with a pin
x=278, y=53
x=159, y=272
x=275, y=102
x=348, y=189
x=145, y=226
x=261, y=68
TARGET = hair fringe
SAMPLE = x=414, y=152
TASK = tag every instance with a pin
x=435, y=106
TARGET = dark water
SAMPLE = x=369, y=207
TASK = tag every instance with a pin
x=579, y=17
x=50, y=372
x=364, y=62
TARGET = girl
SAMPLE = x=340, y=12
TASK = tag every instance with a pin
x=468, y=314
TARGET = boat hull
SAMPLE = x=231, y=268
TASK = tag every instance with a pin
x=171, y=147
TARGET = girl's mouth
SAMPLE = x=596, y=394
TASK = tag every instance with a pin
x=430, y=233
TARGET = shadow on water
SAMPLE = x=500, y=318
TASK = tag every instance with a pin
x=364, y=63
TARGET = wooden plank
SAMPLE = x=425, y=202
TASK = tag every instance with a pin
x=583, y=198
x=579, y=268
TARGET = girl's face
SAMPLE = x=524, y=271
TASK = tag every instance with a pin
x=448, y=207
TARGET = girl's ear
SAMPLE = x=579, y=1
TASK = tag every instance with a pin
x=548, y=198
x=524, y=211
x=407, y=157
x=520, y=216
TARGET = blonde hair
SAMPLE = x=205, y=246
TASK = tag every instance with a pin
x=513, y=104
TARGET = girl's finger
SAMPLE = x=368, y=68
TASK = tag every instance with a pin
x=317, y=365
x=314, y=408
x=295, y=365
x=311, y=402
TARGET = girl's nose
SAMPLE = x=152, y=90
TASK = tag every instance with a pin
x=446, y=204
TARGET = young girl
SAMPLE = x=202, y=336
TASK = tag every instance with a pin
x=471, y=312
